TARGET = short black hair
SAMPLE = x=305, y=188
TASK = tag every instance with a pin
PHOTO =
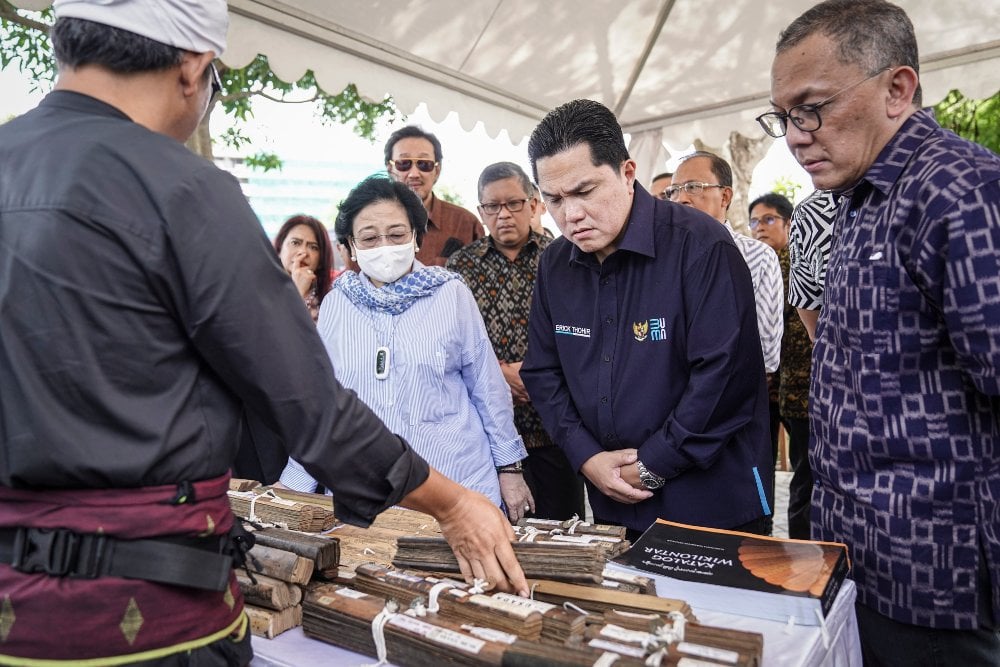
x=411, y=131
x=375, y=189
x=499, y=171
x=778, y=202
x=719, y=167
x=666, y=174
x=873, y=34
x=77, y=42
x=579, y=122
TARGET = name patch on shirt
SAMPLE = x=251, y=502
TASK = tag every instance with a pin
x=652, y=329
x=568, y=330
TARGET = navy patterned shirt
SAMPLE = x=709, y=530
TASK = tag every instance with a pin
x=905, y=398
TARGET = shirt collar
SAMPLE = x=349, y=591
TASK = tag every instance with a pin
x=892, y=160
x=74, y=101
x=487, y=244
x=638, y=237
x=434, y=210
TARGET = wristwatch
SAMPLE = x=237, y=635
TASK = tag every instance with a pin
x=649, y=479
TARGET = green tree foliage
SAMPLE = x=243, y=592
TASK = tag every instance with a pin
x=976, y=120
x=787, y=188
x=24, y=43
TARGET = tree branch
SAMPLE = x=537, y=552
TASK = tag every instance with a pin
x=9, y=13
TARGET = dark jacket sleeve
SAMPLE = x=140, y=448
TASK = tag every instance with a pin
x=544, y=378
x=246, y=320
x=725, y=362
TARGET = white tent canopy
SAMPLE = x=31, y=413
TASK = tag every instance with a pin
x=683, y=69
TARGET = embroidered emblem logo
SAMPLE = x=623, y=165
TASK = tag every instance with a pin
x=654, y=329
x=567, y=330
x=640, y=330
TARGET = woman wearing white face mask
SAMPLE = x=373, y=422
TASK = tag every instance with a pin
x=410, y=341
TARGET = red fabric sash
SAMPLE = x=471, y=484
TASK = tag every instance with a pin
x=60, y=618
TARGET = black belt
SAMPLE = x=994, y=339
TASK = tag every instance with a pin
x=203, y=563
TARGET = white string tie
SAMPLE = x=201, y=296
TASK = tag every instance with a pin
x=574, y=522
x=478, y=586
x=436, y=590
x=378, y=633
x=253, y=503
x=572, y=607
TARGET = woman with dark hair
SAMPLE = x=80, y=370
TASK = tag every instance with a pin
x=303, y=245
x=410, y=341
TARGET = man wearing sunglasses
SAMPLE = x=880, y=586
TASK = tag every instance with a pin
x=142, y=308
x=905, y=394
x=413, y=157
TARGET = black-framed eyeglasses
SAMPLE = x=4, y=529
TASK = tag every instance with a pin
x=514, y=206
x=767, y=221
x=369, y=240
x=216, y=81
x=692, y=188
x=402, y=166
x=804, y=116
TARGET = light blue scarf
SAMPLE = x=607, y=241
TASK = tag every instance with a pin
x=395, y=297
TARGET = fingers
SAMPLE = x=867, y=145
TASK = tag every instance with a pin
x=620, y=490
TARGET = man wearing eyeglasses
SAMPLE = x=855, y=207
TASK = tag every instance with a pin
x=705, y=181
x=142, y=308
x=905, y=395
x=500, y=270
x=413, y=157
x=643, y=357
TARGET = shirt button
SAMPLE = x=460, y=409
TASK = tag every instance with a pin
x=607, y=358
x=609, y=436
x=610, y=320
x=853, y=214
x=605, y=281
x=604, y=399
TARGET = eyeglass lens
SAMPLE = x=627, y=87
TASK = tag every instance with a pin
x=425, y=166
x=513, y=206
x=396, y=237
x=767, y=220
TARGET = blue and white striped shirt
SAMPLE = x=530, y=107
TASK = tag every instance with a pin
x=444, y=393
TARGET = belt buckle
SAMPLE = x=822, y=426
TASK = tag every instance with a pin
x=58, y=552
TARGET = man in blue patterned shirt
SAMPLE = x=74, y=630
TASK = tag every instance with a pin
x=905, y=397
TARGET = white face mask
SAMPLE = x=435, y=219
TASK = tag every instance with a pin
x=386, y=263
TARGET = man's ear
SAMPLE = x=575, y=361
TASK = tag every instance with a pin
x=727, y=197
x=902, y=88
x=192, y=71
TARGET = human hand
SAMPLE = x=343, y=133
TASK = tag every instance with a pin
x=608, y=472
x=476, y=530
x=516, y=495
x=302, y=275
x=512, y=374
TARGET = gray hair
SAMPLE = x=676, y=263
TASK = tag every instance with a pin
x=873, y=34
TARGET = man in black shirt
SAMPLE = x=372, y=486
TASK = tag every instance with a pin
x=140, y=307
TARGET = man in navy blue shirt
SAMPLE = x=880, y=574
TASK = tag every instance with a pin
x=644, y=359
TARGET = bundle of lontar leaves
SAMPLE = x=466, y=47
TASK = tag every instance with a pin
x=611, y=544
x=460, y=602
x=270, y=507
x=671, y=638
x=574, y=526
x=558, y=561
x=369, y=624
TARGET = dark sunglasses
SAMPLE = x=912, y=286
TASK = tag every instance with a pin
x=402, y=166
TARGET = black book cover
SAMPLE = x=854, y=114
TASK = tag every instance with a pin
x=810, y=571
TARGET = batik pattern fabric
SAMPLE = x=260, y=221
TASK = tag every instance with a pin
x=502, y=289
x=809, y=241
x=905, y=397
x=796, y=357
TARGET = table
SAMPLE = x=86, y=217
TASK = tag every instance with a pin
x=835, y=644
